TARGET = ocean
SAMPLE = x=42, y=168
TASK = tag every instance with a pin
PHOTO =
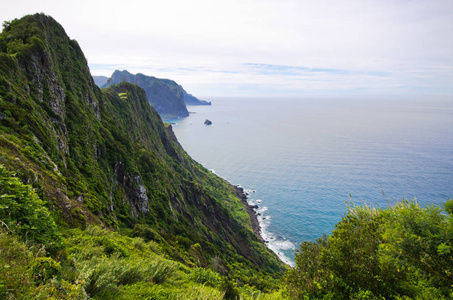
x=303, y=159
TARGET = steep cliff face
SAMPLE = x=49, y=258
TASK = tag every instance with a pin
x=164, y=95
x=106, y=157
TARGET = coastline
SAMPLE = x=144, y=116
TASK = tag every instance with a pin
x=259, y=225
x=251, y=210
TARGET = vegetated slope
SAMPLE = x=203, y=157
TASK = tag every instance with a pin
x=105, y=157
x=165, y=95
x=401, y=252
x=189, y=99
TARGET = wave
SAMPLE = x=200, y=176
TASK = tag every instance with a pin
x=278, y=244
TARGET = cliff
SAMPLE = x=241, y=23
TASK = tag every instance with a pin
x=106, y=158
x=163, y=94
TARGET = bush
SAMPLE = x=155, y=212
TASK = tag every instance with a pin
x=15, y=279
x=44, y=268
x=24, y=212
x=398, y=252
x=160, y=270
x=205, y=276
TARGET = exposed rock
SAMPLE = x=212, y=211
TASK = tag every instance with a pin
x=250, y=210
x=136, y=190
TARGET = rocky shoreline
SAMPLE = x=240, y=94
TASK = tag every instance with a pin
x=251, y=211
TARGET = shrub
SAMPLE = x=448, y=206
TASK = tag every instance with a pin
x=23, y=210
x=205, y=276
x=15, y=279
x=398, y=252
x=160, y=270
x=44, y=268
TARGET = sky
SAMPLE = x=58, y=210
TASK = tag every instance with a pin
x=264, y=47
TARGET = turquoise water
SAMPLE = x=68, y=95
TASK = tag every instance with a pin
x=303, y=158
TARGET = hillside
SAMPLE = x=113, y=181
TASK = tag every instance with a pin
x=104, y=173
x=164, y=95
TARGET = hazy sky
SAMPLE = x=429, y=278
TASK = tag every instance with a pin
x=265, y=47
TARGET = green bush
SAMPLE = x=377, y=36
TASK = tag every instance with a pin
x=44, y=268
x=402, y=251
x=205, y=276
x=25, y=213
x=15, y=279
x=161, y=270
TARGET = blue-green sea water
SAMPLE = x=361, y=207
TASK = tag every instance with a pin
x=304, y=158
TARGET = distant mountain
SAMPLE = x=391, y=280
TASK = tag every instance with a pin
x=100, y=80
x=165, y=95
x=191, y=100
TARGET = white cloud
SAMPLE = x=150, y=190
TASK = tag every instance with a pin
x=205, y=45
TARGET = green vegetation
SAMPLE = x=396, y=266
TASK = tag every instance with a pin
x=76, y=161
x=98, y=200
x=165, y=95
x=401, y=252
x=21, y=209
x=103, y=264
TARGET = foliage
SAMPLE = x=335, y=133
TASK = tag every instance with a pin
x=401, y=251
x=205, y=276
x=106, y=158
x=25, y=273
x=165, y=95
x=23, y=210
x=106, y=204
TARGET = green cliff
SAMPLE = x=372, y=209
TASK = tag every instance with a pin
x=165, y=95
x=97, y=178
x=99, y=201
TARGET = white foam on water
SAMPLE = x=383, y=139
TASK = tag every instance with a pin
x=276, y=243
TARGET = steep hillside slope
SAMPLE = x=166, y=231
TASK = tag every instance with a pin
x=164, y=95
x=105, y=157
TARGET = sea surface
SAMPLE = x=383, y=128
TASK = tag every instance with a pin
x=303, y=159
